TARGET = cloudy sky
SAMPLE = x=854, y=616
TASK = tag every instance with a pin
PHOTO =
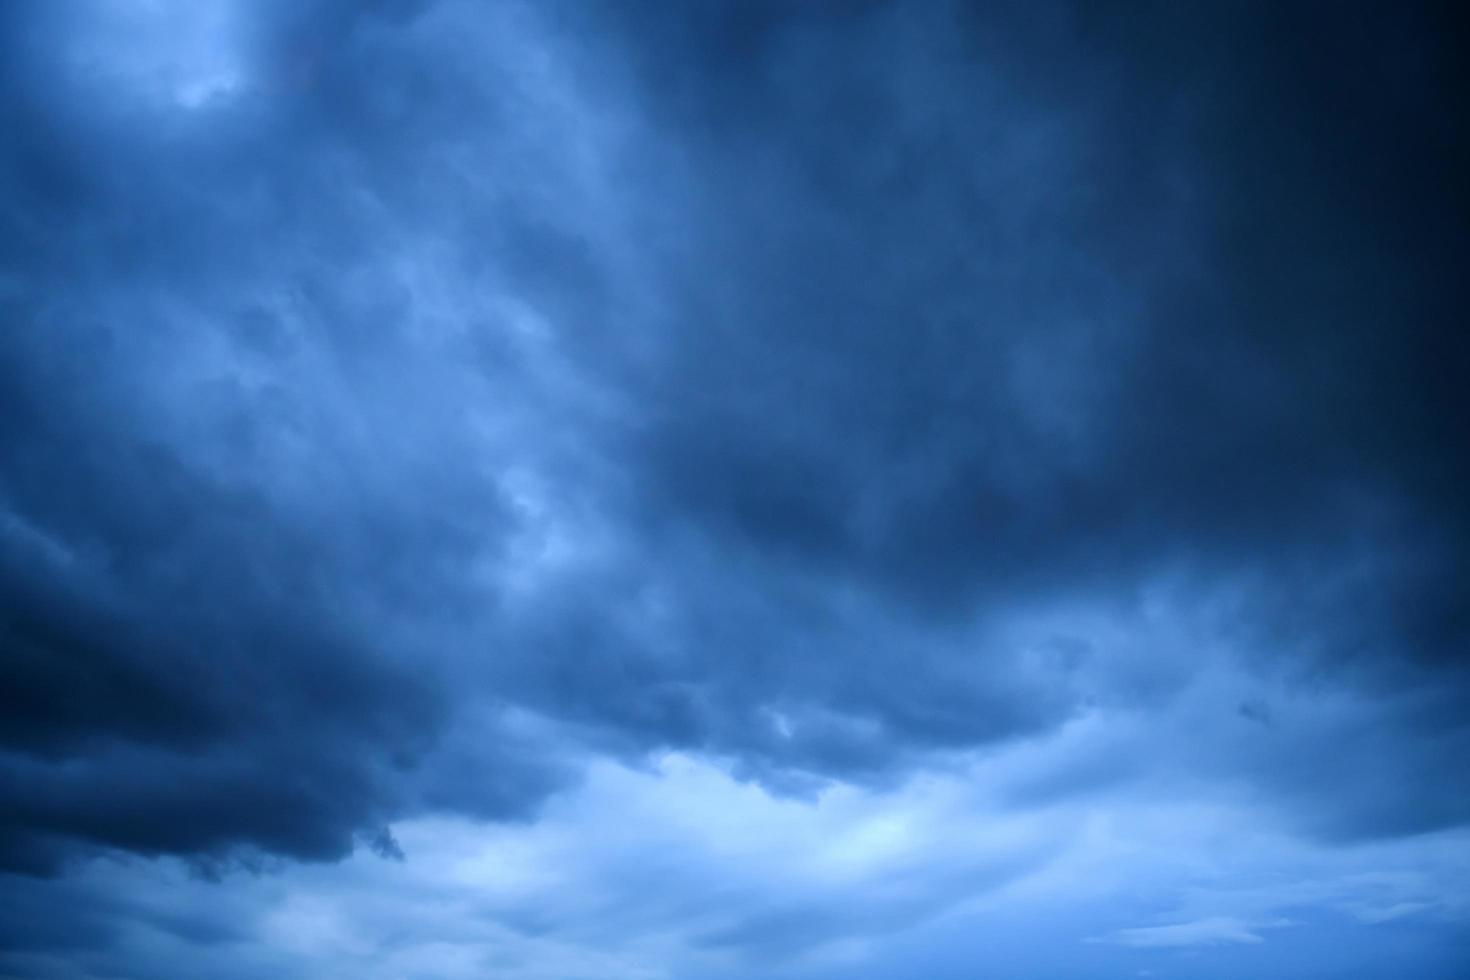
x=568, y=490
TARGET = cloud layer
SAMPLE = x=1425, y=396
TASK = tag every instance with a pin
x=433, y=429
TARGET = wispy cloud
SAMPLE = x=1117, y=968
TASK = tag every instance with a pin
x=1215, y=931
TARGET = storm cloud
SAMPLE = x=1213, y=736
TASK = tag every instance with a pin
x=730, y=489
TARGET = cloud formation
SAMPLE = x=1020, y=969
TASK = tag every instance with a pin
x=1202, y=932
x=421, y=414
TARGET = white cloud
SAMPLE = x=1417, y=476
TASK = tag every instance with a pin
x=1215, y=931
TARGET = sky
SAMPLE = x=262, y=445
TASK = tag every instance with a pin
x=579, y=490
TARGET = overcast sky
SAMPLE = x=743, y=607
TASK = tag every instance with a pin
x=591, y=491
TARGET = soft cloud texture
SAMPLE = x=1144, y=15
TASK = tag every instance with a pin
x=732, y=489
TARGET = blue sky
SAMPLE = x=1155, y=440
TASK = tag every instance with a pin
x=712, y=490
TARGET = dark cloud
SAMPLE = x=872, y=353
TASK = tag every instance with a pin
x=401, y=401
x=202, y=568
x=1204, y=342
x=1051, y=306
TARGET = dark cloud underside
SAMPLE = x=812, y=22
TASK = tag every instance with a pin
x=465, y=390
